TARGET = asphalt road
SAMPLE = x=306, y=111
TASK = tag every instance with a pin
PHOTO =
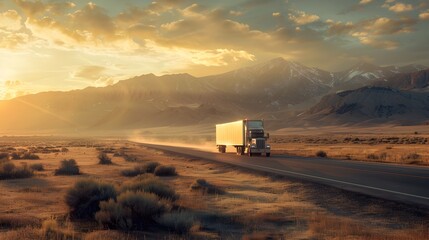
x=408, y=184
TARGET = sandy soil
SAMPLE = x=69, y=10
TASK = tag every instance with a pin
x=254, y=206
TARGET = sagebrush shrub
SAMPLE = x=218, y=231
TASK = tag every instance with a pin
x=104, y=159
x=4, y=155
x=165, y=171
x=205, y=187
x=180, y=222
x=84, y=198
x=37, y=167
x=8, y=170
x=150, y=185
x=322, y=154
x=130, y=158
x=148, y=167
x=113, y=215
x=131, y=210
x=68, y=167
x=29, y=156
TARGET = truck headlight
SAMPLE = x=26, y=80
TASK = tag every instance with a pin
x=268, y=146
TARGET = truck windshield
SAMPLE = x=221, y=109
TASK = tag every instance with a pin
x=254, y=124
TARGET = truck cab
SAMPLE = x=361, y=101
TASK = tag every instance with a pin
x=256, y=140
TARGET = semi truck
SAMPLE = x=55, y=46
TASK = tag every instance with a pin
x=247, y=136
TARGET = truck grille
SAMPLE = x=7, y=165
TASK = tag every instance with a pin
x=260, y=143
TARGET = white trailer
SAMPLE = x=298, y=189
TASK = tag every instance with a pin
x=247, y=136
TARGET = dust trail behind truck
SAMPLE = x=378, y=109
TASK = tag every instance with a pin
x=247, y=136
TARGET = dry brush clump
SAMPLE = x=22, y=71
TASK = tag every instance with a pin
x=164, y=171
x=104, y=159
x=37, y=167
x=131, y=210
x=4, y=155
x=8, y=221
x=51, y=230
x=412, y=158
x=139, y=204
x=130, y=158
x=9, y=170
x=321, y=154
x=179, y=222
x=84, y=198
x=381, y=156
x=68, y=167
x=22, y=155
x=150, y=184
x=148, y=167
x=205, y=187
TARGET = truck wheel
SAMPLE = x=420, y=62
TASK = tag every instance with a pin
x=268, y=154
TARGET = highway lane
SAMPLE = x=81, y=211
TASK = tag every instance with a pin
x=408, y=184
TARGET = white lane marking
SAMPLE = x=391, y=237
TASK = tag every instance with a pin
x=338, y=181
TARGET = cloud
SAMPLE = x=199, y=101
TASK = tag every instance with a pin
x=90, y=72
x=364, y=2
x=276, y=14
x=370, y=32
x=377, y=26
x=97, y=74
x=10, y=20
x=401, y=7
x=220, y=57
x=383, y=25
x=372, y=41
x=424, y=15
x=356, y=7
x=94, y=20
x=31, y=9
x=13, y=40
x=235, y=13
x=302, y=18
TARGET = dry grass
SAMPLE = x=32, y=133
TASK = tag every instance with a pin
x=374, y=148
x=252, y=206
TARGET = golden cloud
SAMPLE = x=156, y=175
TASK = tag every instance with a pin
x=377, y=26
x=366, y=39
x=363, y=2
x=302, y=18
x=424, y=15
x=368, y=31
x=10, y=20
x=90, y=72
x=220, y=57
x=12, y=40
x=401, y=7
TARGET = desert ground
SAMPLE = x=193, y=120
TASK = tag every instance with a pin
x=390, y=144
x=220, y=201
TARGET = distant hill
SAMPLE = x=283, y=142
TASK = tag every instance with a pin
x=277, y=90
x=415, y=80
x=371, y=105
x=363, y=74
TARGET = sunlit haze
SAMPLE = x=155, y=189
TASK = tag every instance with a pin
x=52, y=45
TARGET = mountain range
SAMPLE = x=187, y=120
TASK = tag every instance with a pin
x=283, y=92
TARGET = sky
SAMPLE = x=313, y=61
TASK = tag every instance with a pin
x=49, y=45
